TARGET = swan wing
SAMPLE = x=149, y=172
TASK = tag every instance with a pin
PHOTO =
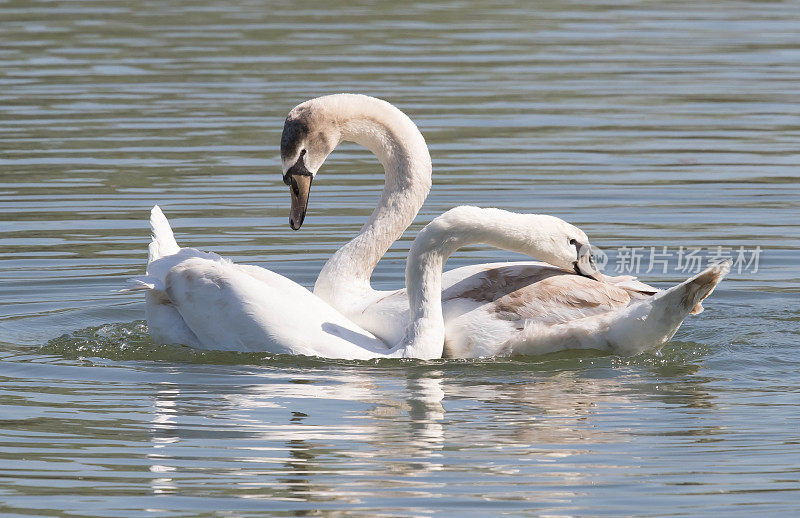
x=536, y=290
x=630, y=284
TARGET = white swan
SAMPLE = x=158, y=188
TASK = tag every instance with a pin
x=488, y=308
x=203, y=300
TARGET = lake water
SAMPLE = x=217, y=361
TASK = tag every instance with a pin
x=648, y=124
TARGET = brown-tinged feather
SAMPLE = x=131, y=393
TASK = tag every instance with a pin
x=546, y=293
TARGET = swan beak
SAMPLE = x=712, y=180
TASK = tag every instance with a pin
x=300, y=186
x=585, y=266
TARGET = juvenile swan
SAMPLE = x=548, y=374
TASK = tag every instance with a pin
x=488, y=309
x=206, y=301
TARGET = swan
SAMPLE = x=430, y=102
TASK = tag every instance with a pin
x=487, y=308
x=206, y=301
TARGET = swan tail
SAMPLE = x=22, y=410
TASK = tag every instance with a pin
x=649, y=324
x=690, y=293
x=644, y=326
x=163, y=243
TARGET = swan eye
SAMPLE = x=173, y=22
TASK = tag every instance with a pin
x=572, y=241
x=302, y=153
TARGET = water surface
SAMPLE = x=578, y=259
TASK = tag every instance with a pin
x=646, y=124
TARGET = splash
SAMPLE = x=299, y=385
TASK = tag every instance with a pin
x=130, y=341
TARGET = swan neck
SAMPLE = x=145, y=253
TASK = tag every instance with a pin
x=401, y=149
x=424, y=337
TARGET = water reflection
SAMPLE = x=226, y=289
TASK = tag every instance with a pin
x=425, y=411
x=374, y=424
x=300, y=466
x=339, y=432
x=163, y=432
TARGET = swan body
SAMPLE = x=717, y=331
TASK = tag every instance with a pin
x=528, y=308
x=488, y=309
x=203, y=300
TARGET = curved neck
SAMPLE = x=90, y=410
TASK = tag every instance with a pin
x=401, y=149
x=530, y=234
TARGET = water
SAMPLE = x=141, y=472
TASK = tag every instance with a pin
x=647, y=124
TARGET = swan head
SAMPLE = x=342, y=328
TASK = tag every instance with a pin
x=571, y=250
x=309, y=136
x=547, y=238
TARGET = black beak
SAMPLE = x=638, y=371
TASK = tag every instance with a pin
x=585, y=266
x=298, y=178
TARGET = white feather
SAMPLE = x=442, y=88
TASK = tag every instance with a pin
x=163, y=243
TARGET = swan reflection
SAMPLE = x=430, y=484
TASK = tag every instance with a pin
x=336, y=433
x=164, y=432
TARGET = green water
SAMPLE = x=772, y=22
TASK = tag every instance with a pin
x=645, y=123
